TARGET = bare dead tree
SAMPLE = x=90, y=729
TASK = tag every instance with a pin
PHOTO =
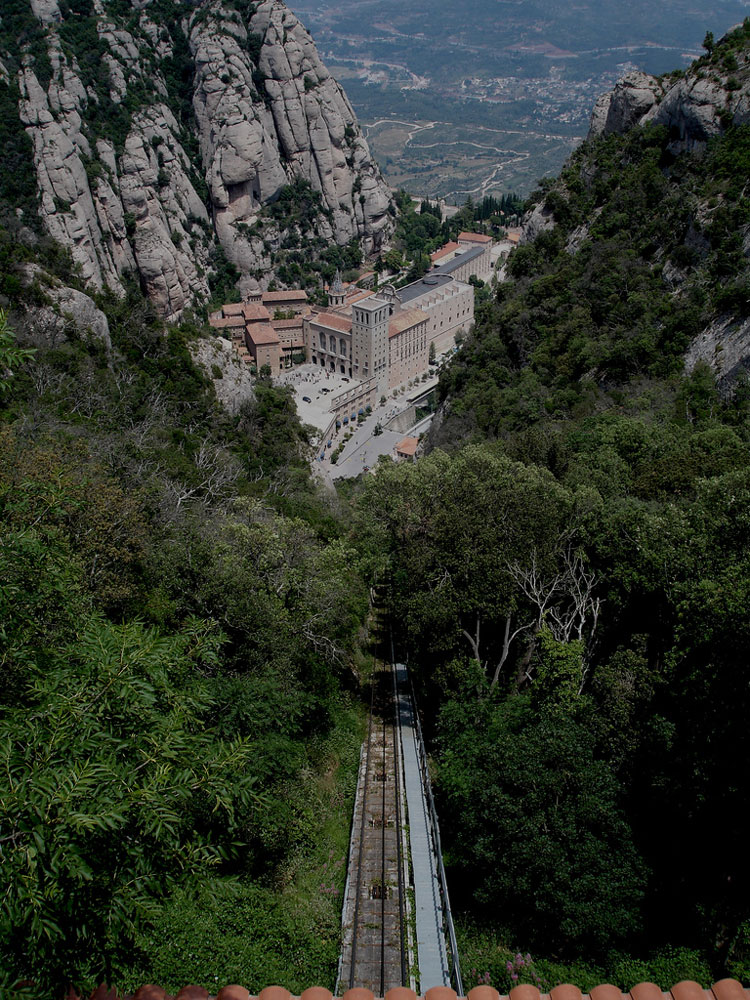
x=320, y=642
x=508, y=640
x=565, y=601
x=219, y=471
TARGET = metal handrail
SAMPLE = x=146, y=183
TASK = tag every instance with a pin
x=427, y=784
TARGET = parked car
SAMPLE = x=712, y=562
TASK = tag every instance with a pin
x=306, y=399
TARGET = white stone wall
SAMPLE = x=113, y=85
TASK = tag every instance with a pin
x=408, y=354
x=449, y=308
x=480, y=266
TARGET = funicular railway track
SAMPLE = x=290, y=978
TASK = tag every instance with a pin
x=374, y=953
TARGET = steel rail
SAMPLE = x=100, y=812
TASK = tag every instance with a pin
x=355, y=926
x=399, y=845
x=383, y=887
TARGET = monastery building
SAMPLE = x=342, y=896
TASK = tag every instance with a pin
x=372, y=341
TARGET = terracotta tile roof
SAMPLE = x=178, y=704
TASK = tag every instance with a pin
x=725, y=989
x=262, y=333
x=287, y=324
x=444, y=250
x=355, y=294
x=226, y=321
x=404, y=320
x=473, y=238
x=291, y=295
x=408, y=446
x=334, y=322
x=254, y=312
x=233, y=308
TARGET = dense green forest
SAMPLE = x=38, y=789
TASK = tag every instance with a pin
x=181, y=617
x=570, y=579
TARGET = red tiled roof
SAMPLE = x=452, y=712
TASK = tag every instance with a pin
x=226, y=321
x=725, y=989
x=262, y=333
x=355, y=294
x=408, y=446
x=334, y=321
x=474, y=238
x=291, y=295
x=443, y=251
x=404, y=320
x=233, y=308
x=287, y=324
x=254, y=312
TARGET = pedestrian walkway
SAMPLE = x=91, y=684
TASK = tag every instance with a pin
x=431, y=951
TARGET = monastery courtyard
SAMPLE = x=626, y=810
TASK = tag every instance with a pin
x=362, y=450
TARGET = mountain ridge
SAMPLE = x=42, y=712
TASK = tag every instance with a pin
x=634, y=263
x=161, y=130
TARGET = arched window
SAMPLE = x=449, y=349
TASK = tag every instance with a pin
x=323, y=341
x=343, y=348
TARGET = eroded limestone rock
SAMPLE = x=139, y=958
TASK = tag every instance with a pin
x=268, y=113
x=69, y=314
x=231, y=377
x=632, y=98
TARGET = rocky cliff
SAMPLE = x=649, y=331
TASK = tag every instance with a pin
x=696, y=105
x=679, y=144
x=160, y=130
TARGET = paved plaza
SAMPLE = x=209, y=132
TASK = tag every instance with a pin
x=313, y=388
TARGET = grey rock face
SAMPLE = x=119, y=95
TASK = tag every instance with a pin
x=231, y=377
x=694, y=108
x=691, y=110
x=69, y=312
x=633, y=97
x=261, y=127
x=725, y=346
x=46, y=10
x=157, y=193
x=267, y=111
x=599, y=114
x=66, y=205
x=537, y=221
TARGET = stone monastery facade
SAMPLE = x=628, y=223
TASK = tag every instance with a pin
x=378, y=339
x=266, y=328
x=384, y=336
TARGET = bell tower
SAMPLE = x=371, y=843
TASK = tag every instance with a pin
x=370, y=340
x=336, y=293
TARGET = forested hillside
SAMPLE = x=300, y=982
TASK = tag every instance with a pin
x=570, y=572
x=180, y=636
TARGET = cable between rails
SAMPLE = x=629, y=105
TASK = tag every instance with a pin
x=383, y=887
